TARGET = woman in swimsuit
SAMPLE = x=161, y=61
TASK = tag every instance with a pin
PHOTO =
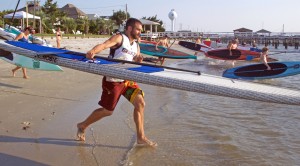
x=58, y=37
x=22, y=37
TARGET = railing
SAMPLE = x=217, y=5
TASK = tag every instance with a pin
x=154, y=35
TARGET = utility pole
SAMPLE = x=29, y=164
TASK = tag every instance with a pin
x=14, y=15
x=33, y=14
x=26, y=13
x=126, y=11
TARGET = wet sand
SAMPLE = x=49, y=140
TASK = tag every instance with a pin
x=38, y=117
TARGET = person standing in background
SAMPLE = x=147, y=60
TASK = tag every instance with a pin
x=58, y=37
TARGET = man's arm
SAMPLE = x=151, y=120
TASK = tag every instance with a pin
x=167, y=44
x=265, y=62
x=113, y=41
x=138, y=58
x=157, y=44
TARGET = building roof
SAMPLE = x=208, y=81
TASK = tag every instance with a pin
x=93, y=16
x=243, y=30
x=263, y=31
x=31, y=7
x=148, y=22
x=72, y=11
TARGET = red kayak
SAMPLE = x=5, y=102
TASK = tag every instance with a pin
x=237, y=54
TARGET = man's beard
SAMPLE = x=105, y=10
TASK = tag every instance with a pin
x=134, y=36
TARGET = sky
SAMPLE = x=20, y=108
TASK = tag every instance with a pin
x=197, y=15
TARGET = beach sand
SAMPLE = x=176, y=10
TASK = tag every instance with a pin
x=38, y=117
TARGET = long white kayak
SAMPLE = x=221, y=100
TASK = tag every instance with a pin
x=156, y=75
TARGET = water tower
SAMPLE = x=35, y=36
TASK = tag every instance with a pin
x=173, y=16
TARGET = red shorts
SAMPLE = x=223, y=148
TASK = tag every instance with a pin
x=112, y=91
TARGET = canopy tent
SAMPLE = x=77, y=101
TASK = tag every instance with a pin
x=23, y=15
x=148, y=22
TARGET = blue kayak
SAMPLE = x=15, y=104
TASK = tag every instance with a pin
x=150, y=49
x=259, y=71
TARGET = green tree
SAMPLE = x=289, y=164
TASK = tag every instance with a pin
x=109, y=24
x=44, y=19
x=159, y=27
x=8, y=21
x=93, y=26
x=52, y=13
x=86, y=25
x=80, y=24
x=68, y=24
x=119, y=17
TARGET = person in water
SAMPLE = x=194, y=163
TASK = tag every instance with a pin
x=23, y=37
x=232, y=46
x=164, y=42
x=198, y=41
x=264, y=57
x=58, y=37
x=122, y=46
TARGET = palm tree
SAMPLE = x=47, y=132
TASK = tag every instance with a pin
x=109, y=24
x=120, y=17
x=52, y=12
x=44, y=19
x=4, y=12
x=68, y=24
x=83, y=24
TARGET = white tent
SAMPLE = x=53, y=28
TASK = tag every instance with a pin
x=23, y=15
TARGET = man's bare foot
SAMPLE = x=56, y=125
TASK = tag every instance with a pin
x=25, y=77
x=146, y=142
x=80, y=133
x=14, y=73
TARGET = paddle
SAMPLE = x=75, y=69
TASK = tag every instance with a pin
x=14, y=12
x=295, y=51
x=120, y=61
x=276, y=53
x=172, y=44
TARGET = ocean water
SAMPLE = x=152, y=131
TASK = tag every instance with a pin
x=199, y=129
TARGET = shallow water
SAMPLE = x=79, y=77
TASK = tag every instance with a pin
x=199, y=129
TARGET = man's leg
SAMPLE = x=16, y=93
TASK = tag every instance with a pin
x=94, y=116
x=138, y=114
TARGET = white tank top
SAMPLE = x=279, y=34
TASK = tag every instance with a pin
x=125, y=52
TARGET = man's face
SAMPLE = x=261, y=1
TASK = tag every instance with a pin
x=136, y=31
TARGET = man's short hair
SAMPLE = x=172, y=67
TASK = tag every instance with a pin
x=131, y=22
